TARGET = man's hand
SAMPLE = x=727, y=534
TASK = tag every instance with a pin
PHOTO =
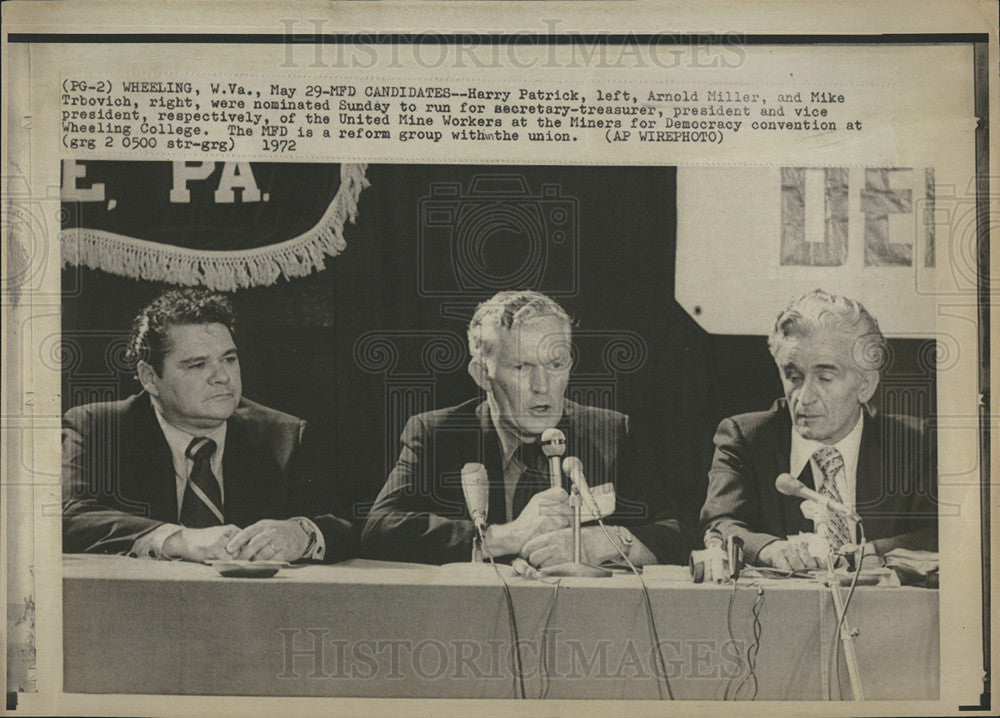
x=556, y=547
x=199, y=544
x=547, y=511
x=788, y=556
x=270, y=540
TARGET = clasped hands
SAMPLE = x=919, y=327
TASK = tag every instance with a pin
x=266, y=540
x=542, y=533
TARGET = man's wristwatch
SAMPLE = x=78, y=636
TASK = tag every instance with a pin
x=311, y=533
x=626, y=539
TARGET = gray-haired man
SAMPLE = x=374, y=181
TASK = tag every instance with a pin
x=520, y=347
x=829, y=352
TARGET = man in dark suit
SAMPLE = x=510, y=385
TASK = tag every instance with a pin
x=520, y=346
x=828, y=350
x=175, y=471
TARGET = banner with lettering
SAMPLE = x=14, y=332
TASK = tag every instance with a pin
x=752, y=239
x=222, y=225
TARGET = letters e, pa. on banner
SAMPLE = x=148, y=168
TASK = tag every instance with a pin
x=752, y=239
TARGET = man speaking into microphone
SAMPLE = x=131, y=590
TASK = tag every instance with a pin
x=520, y=347
x=850, y=462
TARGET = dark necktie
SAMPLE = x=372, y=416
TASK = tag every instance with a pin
x=202, y=504
x=831, y=465
x=534, y=477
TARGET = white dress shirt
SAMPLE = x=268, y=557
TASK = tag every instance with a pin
x=849, y=448
x=179, y=440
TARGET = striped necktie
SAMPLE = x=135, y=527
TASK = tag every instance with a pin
x=202, y=504
x=831, y=465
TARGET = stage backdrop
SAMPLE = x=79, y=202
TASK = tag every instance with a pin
x=379, y=333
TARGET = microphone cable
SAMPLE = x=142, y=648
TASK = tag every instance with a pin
x=834, y=667
x=732, y=636
x=543, y=652
x=750, y=677
x=654, y=635
x=543, y=658
x=516, y=663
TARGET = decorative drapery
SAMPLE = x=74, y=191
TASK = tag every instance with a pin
x=224, y=226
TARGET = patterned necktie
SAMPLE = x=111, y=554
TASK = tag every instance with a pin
x=534, y=476
x=202, y=502
x=831, y=464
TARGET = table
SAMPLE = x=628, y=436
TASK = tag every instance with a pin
x=368, y=628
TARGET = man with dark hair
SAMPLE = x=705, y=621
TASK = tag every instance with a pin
x=829, y=351
x=520, y=347
x=177, y=470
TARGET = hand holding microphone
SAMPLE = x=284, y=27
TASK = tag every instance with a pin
x=547, y=511
x=574, y=469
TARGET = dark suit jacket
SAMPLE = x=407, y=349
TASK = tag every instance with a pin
x=896, y=482
x=119, y=483
x=420, y=515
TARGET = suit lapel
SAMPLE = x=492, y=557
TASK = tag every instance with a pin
x=868, y=483
x=792, y=520
x=785, y=509
x=152, y=464
x=238, y=479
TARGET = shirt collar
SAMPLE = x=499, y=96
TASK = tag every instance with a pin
x=849, y=448
x=178, y=440
x=509, y=442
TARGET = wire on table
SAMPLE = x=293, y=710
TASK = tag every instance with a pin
x=752, y=649
x=516, y=664
x=654, y=635
x=543, y=658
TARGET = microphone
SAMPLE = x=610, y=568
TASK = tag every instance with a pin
x=476, y=487
x=553, y=446
x=574, y=467
x=790, y=486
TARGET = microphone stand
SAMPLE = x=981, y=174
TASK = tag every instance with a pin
x=789, y=486
x=477, y=563
x=477, y=549
x=576, y=567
